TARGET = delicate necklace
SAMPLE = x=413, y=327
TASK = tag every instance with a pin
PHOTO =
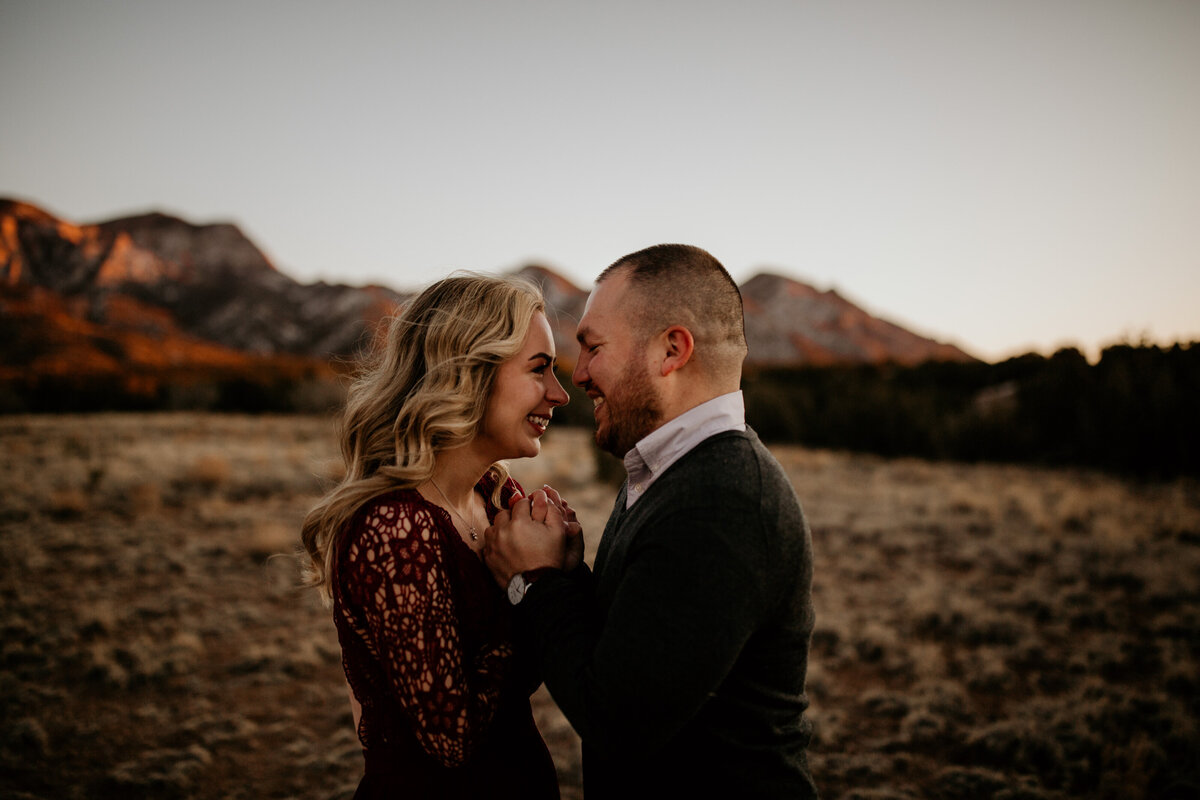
x=470, y=528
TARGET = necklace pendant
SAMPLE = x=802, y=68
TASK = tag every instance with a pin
x=470, y=528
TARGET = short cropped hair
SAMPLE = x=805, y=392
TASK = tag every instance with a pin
x=678, y=284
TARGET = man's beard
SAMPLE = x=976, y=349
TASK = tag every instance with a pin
x=633, y=415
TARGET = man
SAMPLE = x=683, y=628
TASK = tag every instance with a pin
x=680, y=658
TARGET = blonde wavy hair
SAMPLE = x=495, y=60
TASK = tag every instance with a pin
x=422, y=391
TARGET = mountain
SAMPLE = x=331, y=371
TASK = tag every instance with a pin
x=564, y=306
x=139, y=306
x=210, y=279
x=790, y=323
x=148, y=300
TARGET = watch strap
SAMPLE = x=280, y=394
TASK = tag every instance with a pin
x=519, y=584
x=532, y=575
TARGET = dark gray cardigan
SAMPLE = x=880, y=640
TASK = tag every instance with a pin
x=681, y=660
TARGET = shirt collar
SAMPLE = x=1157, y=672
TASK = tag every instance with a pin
x=661, y=448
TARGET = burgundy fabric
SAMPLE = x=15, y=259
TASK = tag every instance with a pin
x=426, y=647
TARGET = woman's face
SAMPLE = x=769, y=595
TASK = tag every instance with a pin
x=523, y=397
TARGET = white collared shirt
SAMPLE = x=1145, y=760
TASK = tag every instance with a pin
x=663, y=447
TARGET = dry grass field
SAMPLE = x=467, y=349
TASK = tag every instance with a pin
x=983, y=631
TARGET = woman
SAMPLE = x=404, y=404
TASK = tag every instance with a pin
x=465, y=379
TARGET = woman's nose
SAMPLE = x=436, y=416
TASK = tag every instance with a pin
x=555, y=393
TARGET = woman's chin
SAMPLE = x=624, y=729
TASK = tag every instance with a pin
x=530, y=450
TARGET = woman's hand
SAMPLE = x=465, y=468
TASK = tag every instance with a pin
x=574, y=554
x=533, y=533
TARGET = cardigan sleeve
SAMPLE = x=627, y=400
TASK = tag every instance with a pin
x=689, y=597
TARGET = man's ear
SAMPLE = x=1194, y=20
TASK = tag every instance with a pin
x=680, y=344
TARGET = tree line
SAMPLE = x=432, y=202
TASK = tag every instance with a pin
x=1134, y=411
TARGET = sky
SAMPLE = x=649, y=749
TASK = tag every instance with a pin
x=1007, y=176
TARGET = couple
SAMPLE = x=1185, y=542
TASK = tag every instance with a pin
x=679, y=657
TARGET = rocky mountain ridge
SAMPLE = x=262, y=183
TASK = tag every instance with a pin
x=125, y=284
x=790, y=323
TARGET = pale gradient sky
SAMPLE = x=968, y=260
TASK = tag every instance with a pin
x=1008, y=176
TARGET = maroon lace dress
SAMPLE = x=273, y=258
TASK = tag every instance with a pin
x=425, y=643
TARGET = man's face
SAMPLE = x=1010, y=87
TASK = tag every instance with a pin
x=614, y=371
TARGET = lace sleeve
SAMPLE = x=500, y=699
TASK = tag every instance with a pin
x=398, y=571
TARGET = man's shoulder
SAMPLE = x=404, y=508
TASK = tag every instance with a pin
x=722, y=466
x=736, y=449
x=733, y=486
x=731, y=441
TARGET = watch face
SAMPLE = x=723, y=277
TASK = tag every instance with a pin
x=516, y=588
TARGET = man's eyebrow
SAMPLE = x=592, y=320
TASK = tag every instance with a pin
x=582, y=334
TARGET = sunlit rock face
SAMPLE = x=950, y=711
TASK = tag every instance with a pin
x=212, y=283
x=211, y=280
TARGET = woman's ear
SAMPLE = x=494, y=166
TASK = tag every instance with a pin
x=680, y=344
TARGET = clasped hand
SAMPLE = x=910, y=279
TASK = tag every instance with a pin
x=540, y=530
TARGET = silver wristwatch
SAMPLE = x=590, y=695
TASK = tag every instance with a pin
x=517, y=587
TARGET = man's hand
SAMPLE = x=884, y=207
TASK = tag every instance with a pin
x=532, y=534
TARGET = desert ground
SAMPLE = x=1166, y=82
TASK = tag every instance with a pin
x=982, y=630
